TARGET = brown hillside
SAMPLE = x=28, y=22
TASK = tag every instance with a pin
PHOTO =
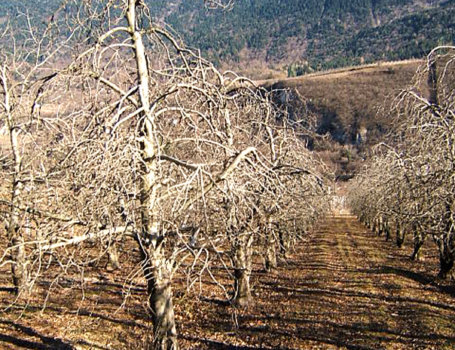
x=350, y=107
x=347, y=100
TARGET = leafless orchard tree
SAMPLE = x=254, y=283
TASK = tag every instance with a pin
x=289, y=181
x=119, y=133
x=26, y=65
x=418, y=187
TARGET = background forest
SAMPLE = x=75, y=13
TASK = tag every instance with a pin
x=303, y=35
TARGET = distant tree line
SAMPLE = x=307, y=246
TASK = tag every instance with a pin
x=337, y=33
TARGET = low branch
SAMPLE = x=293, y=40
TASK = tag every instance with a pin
x=100, y=234
x=43, y=213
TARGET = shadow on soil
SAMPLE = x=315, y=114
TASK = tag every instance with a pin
x=415, y=276
x=47, y=343
x=51, y=343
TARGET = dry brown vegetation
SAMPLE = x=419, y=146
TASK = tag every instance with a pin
x=351, y=108
x=407, y=187
x=351, y=97
x=151, y=201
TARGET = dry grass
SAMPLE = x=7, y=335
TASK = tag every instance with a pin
x=354, y=95
x=348, y=102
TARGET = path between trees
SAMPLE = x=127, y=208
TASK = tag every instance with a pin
x=344, y=287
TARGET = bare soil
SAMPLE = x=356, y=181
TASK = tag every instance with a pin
x=342, y=288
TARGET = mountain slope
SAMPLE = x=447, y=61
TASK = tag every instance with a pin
x=312, y=33
x=349, y=106
x=304, y=35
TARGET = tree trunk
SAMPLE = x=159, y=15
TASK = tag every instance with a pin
x=270, y=254
x=419, y=239
x=416, y=252
x=284, y=242
x=446, y=265
x=387, y=230
x=161, y=306
x=156, y=270
x=16, y=241
x=14, y=235
x=399, y=235
x=432, y=81
x=242, y=290
x=380, y=226
x=18, y=258
x=112, y=256
x=446, y=257
x=446, y=245
x=270, y=257
x=242, y=271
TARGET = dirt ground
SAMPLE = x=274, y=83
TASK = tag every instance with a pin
x=342, y=288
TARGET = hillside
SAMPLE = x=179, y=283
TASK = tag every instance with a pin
x=314, y=35
x=11, y=9
x=348, y=100
x=291, y=37
x=264, y=38
x=347, y=106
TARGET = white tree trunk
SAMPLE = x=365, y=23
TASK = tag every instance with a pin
x=242, y=271
x=14, y=232
x=150, y=241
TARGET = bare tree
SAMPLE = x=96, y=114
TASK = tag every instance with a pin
x=131, y=137
x=27, y=65
x=419, y=167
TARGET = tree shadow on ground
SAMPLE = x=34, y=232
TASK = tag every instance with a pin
x=47, y=343
x=215, y=301
x=415, y=276
x=51, y=343
x=350, y=336
x=340, y=292
x=217, y=345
